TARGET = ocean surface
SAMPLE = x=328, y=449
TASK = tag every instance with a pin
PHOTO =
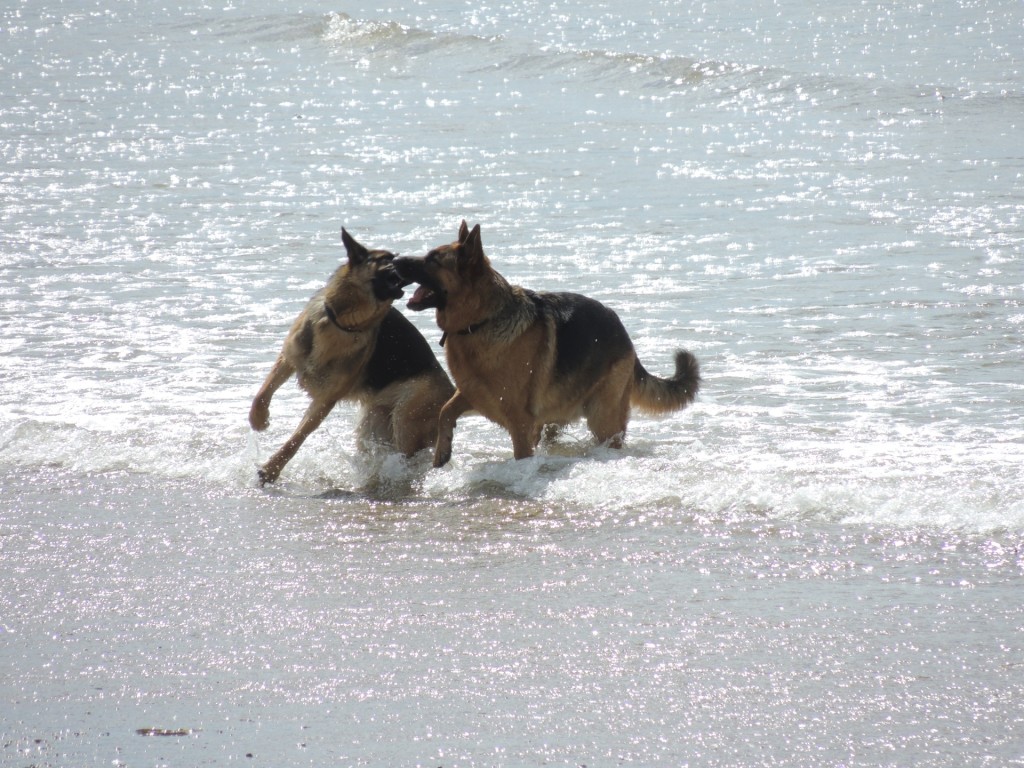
x=820, y=563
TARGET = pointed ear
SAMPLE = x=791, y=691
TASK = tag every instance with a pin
x=473, y=248
x=463, y=231
x=357, y=253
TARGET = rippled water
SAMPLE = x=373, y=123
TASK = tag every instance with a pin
x=817, y=564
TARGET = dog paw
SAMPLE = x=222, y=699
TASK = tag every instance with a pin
x=259, y=418
x=265, y=476
x=441, y=458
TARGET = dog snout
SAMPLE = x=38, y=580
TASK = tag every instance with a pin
x=405, y=268
x=393, y=279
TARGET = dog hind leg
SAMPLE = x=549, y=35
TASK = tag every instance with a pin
x=375, y=427
x=414, y=423
x=607, y=410
x=608, y=425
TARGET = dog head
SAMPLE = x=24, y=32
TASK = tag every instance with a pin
x=448, y=273
x=364, y=286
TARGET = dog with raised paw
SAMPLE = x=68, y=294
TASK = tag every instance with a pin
x=350, y=343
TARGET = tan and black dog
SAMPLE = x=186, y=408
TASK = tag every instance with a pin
x=527, y=359
x=349, y=343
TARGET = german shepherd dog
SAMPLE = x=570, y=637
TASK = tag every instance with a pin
x=349, y=343
x=526, y=359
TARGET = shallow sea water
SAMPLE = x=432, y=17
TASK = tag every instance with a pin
x=819, y=563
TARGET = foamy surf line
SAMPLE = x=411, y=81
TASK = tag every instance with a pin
x=934, y=486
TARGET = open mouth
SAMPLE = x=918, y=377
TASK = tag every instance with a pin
x=429, y=295
x=394, y=283
x=424, y=298
x=388, y=284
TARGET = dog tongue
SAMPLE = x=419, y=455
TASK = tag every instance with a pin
x=421, y=295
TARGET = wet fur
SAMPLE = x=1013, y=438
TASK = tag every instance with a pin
x=349, y=343
x=527, y=359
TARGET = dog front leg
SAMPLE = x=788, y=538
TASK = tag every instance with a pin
x=259, y=413
x=313, y=418
x=450, y=413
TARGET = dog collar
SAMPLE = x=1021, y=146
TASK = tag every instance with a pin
x=334, y=320
x=465, y=331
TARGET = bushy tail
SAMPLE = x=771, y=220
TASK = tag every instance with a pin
x=656, y=395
